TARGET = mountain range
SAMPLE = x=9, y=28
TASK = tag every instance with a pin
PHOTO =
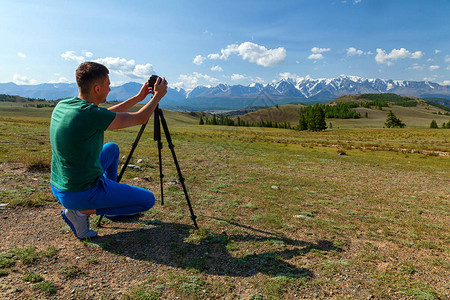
x=231, y=97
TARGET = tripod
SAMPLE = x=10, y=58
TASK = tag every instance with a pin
x=158, y=121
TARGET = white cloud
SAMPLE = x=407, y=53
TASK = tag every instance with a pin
x=447, y=58
x=116, y=65
x=287, y=75
x=198, y=60
x=437, y=51
x=433, y=67
x=353, y=51
x=254, y=53
x=189, y=82
x=415, y=67
x=60, y=80
x=18, y=79
x=87, y=53
x=432, y=78
x=215, y=56
x=319, y=50
x=237, y=77
x=70, y=56
x=225, y=53
x=315, y=56
x=317, y=53
x=445, y=82
x=21, y=55
x=217, y=69
x=257, y=79
x=261, y=55
x=124, y=67
x=395, y=54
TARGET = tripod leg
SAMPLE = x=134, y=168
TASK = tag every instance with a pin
x=180, y=176
x=157, y=138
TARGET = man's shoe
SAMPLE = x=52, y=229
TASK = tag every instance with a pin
x=79, y=225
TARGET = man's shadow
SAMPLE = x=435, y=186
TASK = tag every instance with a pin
x=174, y=245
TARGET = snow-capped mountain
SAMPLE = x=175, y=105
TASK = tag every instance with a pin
x=325, y=89
x=223, y=96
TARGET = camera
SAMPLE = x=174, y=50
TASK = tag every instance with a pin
x=152, y=81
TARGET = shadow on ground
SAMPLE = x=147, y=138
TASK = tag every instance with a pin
x=176, y=245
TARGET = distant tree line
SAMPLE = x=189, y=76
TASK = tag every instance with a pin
x=434, y=125
x=226, y=121
x=383, y=100
x=10, y=98
x=341, y=111
x=40, y=105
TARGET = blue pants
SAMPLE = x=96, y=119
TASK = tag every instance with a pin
x=108, y=197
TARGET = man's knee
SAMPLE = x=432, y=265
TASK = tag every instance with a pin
x=111, y=148
x=150, y=201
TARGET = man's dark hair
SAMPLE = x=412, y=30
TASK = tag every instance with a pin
x=89, y=73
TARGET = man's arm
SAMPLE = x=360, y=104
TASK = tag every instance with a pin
x=127, y=104
x=128, y=119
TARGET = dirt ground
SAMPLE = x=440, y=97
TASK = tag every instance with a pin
x=163, y=253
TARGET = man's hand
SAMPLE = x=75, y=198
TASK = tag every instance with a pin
x=160, y=87
x=126, y=119
x=144, y=91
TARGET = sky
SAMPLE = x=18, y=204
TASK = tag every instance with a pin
x=209, y=42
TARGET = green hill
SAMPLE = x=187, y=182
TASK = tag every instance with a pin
x=373, y=109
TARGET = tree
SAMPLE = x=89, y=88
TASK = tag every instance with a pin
x=201, y=121
x=316, y=118
x=302, y=124
x=434, y=124
x=392, y=121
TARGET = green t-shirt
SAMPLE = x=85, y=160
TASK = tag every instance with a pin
x=76, y=136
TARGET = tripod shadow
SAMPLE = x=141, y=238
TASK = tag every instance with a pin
x=173, y=245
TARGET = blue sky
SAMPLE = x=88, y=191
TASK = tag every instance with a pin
x=235, y=42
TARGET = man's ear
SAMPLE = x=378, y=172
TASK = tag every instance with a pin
x=96, y=88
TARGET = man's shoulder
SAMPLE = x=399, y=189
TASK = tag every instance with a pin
x=74, y=102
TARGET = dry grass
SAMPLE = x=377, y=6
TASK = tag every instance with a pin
x=279, y=216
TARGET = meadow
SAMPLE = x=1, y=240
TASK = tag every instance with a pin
x=348, y=213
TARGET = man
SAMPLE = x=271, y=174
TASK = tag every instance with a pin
x=84, y=171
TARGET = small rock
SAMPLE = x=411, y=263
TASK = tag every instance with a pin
x=134, y=167
x=274, y=187
x=139, y=161
x=3, y=204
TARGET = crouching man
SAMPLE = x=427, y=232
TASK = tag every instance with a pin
x=84, y=171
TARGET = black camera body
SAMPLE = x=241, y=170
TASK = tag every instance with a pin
x=152, y=81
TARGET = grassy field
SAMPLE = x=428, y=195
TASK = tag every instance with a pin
x=345, y=213
x=414, y=117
